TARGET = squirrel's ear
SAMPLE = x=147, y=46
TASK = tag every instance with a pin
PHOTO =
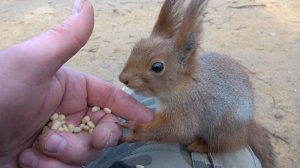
x=186, y=44
x=188, y=36
x=169, y=19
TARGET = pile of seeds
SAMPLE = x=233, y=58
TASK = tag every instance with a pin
x=58, y=122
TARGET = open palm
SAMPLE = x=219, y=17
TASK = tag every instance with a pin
x=33, y=86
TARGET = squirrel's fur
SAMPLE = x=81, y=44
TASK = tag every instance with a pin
x=205, y=100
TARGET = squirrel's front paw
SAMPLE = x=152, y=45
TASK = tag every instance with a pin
x=134, y=131
x=131, y=125
x=155, y=130
x=197, y=145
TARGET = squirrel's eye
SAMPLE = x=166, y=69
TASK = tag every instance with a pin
x=157, y=67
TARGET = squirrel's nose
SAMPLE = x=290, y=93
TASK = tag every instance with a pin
x=125, y=82
x=124, y=79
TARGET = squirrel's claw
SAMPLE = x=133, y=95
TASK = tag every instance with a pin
x=131, y=125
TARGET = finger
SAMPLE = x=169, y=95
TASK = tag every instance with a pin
x=107, y=133
x=43, y=55
x=69, y=148
x=31, y=158
x=105, y=95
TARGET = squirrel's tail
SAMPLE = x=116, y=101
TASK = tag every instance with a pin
x=259, y=141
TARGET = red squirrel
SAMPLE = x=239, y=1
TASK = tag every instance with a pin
x=205, y=99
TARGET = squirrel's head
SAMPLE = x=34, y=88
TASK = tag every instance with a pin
x=166, y=60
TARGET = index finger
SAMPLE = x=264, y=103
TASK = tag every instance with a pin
x=104, y=94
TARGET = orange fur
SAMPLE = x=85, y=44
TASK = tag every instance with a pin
x=154, y=130
x=205, y=100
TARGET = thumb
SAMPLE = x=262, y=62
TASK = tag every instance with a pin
x=43, y=55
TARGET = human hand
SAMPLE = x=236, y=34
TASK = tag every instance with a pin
x=33, y=86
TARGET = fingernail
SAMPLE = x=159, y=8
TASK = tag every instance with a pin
x=111, y=140
x=108, y=138
x=29, y=160
x=78, y=4
x=55, y=144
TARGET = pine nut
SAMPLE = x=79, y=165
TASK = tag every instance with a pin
x=65, y=128
x=82, y=126
x=95, y=109
x=90, y=124
x=107, y=110
x=54, y=117
x=71, y=127
x=86, y=128
x=56, y=125
x=77, y=129
x=85, y=119
x=61, y=117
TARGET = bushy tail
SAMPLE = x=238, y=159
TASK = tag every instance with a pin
x=259, y=141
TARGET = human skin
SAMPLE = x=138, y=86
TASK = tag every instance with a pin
x=34, y=85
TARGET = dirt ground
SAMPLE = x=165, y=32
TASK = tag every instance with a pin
x=264, y=35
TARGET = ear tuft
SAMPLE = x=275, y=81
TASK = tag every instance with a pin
x=169, y=19
x=187, y=38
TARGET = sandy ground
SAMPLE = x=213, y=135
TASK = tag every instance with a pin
x=265, y=38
